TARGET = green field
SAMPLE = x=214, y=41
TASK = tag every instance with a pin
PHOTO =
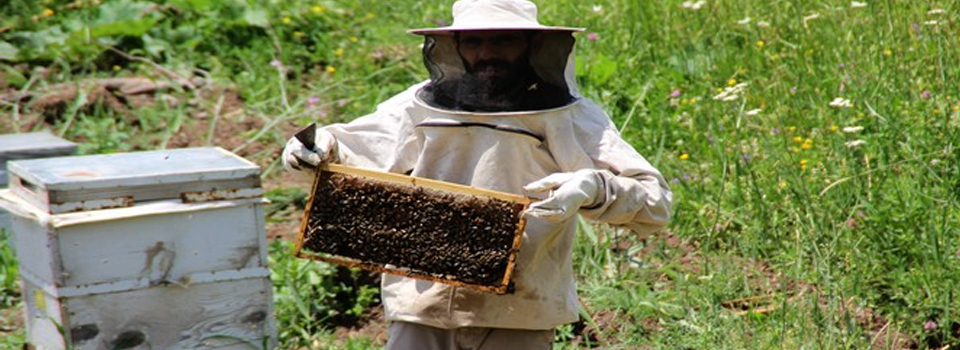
x=813, y=148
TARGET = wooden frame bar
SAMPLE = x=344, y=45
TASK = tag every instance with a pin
x=502, y=287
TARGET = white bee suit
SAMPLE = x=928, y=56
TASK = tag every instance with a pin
x=503, y=151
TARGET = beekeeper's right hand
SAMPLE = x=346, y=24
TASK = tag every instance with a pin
x=297, y=156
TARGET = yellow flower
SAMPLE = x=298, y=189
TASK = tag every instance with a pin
x=331, y=69
x=803, y=164
x=797, y=139
x=955, y=108
x=792, y=128
x=47, y=12
x=887, y=52
x=834, y=127
x=318, y=9
x=286, y=20
x=298, y=34
x=731, y=82
x=684, y=156
x=354, y=39
x=116, y=68
x=760, y=44
x=807, y=144
x=795, y=149
x=338, y=52
x=783, y=184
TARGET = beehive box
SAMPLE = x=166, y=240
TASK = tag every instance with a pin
x=413, y=227
x=144, y=250
x=28, y=146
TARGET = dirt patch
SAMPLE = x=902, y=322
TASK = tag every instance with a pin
x=11, y=320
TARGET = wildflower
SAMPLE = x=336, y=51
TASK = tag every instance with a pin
x=854, y=143
x=693, y=5
x=744, y=21
x=803, y=164
x=809, y=18
x=286, y=20
x=763, y=24
x=857, y=4
x=731, y=82
x=807, y=144
x=47, y=12
x=783, y=184
x=760, y=44
x=793, y=90
x=597, y=8
x=753, y=112
x=931, y=23
x=929, y=326
x=277, y=64
x=792, y=129
x=852, y=129
x=298, y=34
x=730, y=93
x=834, y=128
x=851, y=223
x=675, y=94
x=593, y=36
x=116, y=68
x=318, y=9
x=354, y=39
x=840, y=102
x=684, y=156
x=312, y=101
x=775, y=131
x=338, y=52
x=887, y=52
x=955, y=108
x=936, y=12
x=331, y=69
x=676, y=180
x=925, y=94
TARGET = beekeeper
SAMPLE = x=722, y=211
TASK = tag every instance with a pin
x=501, y=112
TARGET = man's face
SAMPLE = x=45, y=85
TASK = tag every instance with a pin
x=494, y=55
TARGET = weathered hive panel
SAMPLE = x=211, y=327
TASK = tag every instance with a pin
x=414, y=227
x=142, y=250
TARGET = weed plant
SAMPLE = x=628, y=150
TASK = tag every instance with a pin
x=812, y=147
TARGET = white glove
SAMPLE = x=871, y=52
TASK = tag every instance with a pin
x=569, y=192
x=297, y=156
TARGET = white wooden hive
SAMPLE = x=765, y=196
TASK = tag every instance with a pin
x=143, y=250
x=28, y=146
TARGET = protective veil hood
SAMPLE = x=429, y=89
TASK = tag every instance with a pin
x=550, y=57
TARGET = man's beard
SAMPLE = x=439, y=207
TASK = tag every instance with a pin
x=491, y=85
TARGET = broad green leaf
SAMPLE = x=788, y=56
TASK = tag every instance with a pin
x=256, y=17
x=198, y=5
x=123, y=11
x=601, y=69
x=8, y=52
x=123, y=28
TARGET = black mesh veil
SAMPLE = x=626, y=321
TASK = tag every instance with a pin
x=548, y=85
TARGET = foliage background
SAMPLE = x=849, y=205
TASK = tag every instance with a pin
x=811, y=146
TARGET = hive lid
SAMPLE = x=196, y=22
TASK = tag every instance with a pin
x=31, y=145
x=81, y=183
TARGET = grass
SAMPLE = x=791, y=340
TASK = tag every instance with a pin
x=825, y=188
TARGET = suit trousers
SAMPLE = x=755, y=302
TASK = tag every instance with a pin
x=412, y=336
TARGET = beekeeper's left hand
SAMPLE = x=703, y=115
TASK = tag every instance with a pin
x=569, y=193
